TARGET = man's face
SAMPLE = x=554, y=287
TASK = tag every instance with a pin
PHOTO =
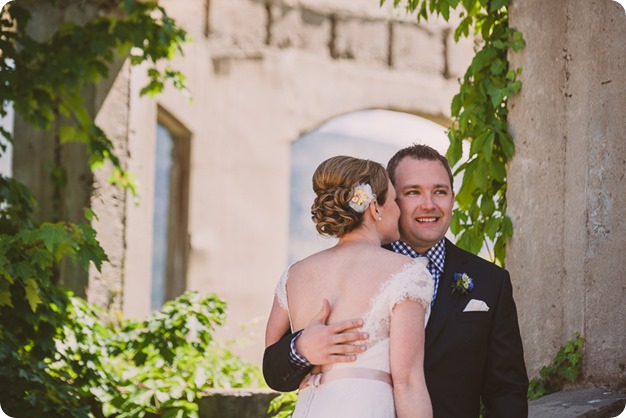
x=425, y=198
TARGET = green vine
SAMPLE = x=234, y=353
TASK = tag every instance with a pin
x=283, y=405
x=565, y=367
x=480, y=114
x=46, y=80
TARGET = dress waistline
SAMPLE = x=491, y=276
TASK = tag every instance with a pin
x=346, y=373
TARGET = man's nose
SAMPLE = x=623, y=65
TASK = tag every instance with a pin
x=427, y=201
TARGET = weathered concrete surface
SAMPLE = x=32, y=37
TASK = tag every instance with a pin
x=37, y=153
x=239, y=403
x=262, y=75
x=566, y=183
x=578, y=403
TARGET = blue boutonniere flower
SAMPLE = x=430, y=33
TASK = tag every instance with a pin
x=462, y=283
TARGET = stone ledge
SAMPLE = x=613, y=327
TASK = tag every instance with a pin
x=239, y=403
x=579, y=403
x=575, y=403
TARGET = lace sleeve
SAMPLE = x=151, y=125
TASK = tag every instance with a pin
x=412, y=282
x=415, y=283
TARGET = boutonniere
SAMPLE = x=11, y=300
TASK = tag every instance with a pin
x=462, y=283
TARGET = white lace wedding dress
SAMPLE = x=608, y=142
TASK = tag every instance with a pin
x=363, y=388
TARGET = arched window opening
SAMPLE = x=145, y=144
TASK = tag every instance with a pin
x=372, y=134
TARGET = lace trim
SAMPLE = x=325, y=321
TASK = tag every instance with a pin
x=413, y=281
x=281, y=289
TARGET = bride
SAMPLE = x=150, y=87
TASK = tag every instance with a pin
x=355, y=202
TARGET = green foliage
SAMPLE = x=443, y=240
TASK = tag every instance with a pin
x=33, y=310
x=283, y=405
x=163, y=364
x=480, y=115
x=57, y=357
x=565, y=367
x=159, y=366
x=46, y=80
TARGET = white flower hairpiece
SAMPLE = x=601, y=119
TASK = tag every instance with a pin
x=362, y=197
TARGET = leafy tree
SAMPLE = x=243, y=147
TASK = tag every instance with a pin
x=57, y=358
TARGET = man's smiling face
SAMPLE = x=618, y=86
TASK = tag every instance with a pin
x=426, y=199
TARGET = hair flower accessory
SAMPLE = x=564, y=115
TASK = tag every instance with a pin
x=462, y=283
x=362, y=196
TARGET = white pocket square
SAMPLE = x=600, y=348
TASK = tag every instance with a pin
x=476, y=305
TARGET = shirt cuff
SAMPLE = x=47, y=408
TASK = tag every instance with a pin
x=297, y=360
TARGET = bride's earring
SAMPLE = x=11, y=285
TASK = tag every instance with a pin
x=380, y=218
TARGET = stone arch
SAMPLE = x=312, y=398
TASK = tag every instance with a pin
x=368, y=133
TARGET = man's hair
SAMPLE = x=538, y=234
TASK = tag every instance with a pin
x=418, y=152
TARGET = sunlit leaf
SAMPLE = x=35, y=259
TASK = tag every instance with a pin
x=32, y=294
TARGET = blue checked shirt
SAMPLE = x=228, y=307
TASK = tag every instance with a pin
x=436, y=260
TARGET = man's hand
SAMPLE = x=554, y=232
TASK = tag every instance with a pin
x=322, y=344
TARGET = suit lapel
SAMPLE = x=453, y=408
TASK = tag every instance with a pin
x=446, y=300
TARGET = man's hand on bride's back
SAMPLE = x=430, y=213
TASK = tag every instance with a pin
x=323, y=344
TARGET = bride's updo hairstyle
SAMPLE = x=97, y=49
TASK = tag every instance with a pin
x=334, y=184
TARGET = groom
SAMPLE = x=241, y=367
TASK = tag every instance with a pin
x=473, y=348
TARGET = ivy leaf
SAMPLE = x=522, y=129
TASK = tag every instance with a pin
x=481, y=176
x=498, y=170
x=477, y=144
x=491, y=227
x=455, y=224
x=32, y=294
x=455, y=150
x=487, y=207
x=507, y=228
x=508, y=147
x=487, y=149
x=52, y=236
x=465, y=195
x=5, y=299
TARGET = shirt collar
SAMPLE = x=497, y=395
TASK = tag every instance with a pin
x=436, y=254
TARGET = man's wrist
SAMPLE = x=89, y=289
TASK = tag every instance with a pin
x=297, y=360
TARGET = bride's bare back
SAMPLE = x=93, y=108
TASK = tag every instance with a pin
x=349, y=276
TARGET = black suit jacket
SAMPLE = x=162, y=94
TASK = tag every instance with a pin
x=469, y=357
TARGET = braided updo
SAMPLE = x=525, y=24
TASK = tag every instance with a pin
x=333, y=184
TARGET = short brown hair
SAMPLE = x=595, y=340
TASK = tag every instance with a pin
x=418, y=152
x=333, y=183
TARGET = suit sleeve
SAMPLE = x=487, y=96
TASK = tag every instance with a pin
x=505, y=388
x=279, y=372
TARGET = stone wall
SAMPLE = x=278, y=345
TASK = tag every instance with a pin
x=263, y=73
x=566, y=183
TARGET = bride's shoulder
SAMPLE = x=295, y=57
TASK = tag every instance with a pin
x=394, y=260
x=304, y=267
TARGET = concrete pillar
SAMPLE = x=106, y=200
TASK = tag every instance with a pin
x=36, y=153
x=566, y=183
